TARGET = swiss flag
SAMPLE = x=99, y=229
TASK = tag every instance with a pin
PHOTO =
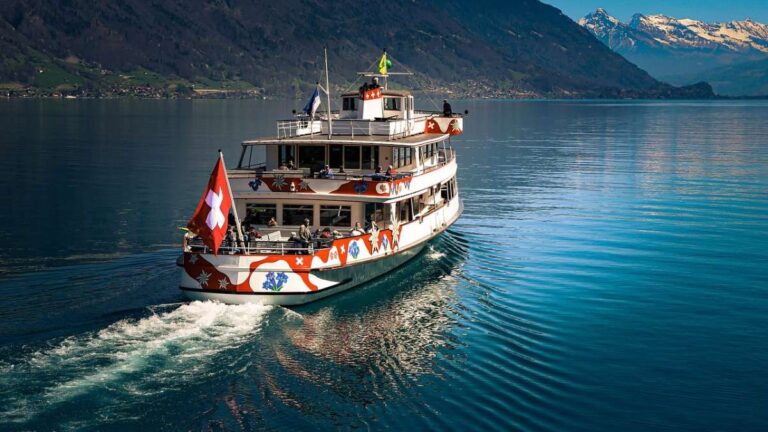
x=210, y=219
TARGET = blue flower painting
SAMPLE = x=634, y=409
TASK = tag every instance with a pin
x=275, y=281
x=354, y=249
x=254, y=184
x=361, y=187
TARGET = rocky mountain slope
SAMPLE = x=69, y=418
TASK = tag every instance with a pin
x=520, y=48
x=667, y=46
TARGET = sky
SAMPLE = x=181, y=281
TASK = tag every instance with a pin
x=704, y=10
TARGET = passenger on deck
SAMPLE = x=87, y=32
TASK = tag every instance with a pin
x=230, y=240
x=377, y=175
x=371, y=225
x=391, y=172
x=326, y=173
x=326, y=234
x=375, y=84
x=283, y=166
x=305, y=233
x=290, y=165
x=272, y=222
x=447, y=112
x=253, y=235
x=357, y=230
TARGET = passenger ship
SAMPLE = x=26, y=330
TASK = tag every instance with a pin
x=282, y=177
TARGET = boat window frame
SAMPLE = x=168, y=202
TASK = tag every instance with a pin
x=301, y=219
x=339, y=208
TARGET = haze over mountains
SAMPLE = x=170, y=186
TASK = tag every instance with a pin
x=520, y=48
x=728, y=55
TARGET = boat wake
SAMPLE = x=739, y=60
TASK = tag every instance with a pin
x=129, y=358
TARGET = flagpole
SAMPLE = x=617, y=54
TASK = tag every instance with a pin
x=232, y=197
x=328, y=93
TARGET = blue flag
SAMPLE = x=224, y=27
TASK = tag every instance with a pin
x=311, y=107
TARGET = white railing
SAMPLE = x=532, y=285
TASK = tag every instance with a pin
x=292, y=128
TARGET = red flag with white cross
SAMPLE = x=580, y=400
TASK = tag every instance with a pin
x=210, y=219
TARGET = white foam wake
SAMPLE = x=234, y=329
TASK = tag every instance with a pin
x=130, y=357
x=434, y=254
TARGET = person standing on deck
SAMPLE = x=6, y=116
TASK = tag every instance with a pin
x=305, y=233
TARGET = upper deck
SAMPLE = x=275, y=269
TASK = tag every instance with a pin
x=371, y=112
x=350, y=153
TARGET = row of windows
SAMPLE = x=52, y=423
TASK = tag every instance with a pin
x=294, y=214
x=390, y=103
x=402, y=156
x=353, y=157
x=428, y=151
x=448, y=190
x=314, y=158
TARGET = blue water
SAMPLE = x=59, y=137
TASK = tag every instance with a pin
x=610, y=273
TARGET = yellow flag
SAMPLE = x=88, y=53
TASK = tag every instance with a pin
x=383, y=64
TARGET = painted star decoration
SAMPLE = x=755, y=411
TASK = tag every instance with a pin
x=299, y=261
x=278, y=182
x=223, y=284
x=203, y=278
x=304, y=185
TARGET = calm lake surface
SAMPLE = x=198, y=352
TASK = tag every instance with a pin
x=610, y=272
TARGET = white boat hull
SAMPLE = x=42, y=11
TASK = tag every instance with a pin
x=299, y=279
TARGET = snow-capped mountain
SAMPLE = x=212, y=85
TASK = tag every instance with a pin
x=664, y=45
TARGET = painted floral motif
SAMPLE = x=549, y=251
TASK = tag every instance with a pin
x=275, y=281
x=255, y=184
x=354, y=249
x=361, y=187
x=279, y=182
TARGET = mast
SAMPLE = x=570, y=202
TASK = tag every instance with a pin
x=328, y=93
x=234, y=207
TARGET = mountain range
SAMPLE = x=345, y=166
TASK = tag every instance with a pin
x=496, y=48
x=686, y=50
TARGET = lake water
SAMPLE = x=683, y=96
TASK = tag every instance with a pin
x=610, y=272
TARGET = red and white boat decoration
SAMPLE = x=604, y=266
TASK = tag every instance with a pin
x=390, y=188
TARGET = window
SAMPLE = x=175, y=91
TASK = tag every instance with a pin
x=352, y=157
x=392, y=104
x=286, y=153
x=375, y=211
x=335, y=156
x=448, y=190
x=259, y=214
x=404, y=211
x=312, y=157
x=349, y=104
x=402, y=156
x=370, y=157
x=334, y=215
x=294, y=214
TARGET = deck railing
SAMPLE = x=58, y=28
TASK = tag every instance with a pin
x=298, y=127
